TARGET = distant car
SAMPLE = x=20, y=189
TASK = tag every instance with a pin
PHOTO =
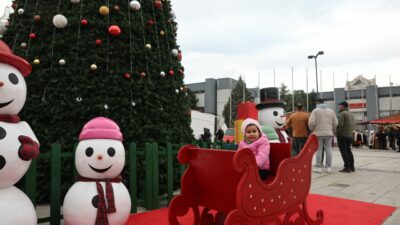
x=229, y=135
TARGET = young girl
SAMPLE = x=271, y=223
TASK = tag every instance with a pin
x=257, y=141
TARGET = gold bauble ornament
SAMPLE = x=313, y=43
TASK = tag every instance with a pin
x=104, y=10
x=162, y=33
x=36, y=61
x=93, y=67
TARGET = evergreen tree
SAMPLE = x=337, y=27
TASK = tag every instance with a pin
x=230, y=110
x=117, y=59
x=192, y=99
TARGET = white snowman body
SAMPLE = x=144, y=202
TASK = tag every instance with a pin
x=16, y=208
x=97, y=159
x=12, y=167
x=274, y=117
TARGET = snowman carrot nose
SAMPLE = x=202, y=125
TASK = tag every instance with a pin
x=99, y=157
x=1, y=83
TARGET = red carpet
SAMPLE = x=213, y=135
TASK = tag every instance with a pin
x=337, y=211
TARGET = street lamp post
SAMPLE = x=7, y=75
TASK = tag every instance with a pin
x=316, y=69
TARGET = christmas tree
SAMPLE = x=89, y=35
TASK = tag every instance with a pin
x=112, y=58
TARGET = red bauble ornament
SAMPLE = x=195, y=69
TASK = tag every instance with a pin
x=114, y=30
x=98, y=42
x=32, y=35
x=150, y=22
x=127, y=75
x=84, y=22
x=158, y=4
x=171, y=72
x=142, y=74
x=36, y=18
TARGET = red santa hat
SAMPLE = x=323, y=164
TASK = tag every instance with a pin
x=101, y=128
x=7, y=57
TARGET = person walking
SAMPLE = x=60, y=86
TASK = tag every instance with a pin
x=323, y=124
x=344, y=133
x=298, y=124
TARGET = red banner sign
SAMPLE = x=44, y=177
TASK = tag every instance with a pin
x=357, y=105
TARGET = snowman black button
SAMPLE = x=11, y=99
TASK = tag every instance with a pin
x=2, y=162
x=95, y=201
x=3, y=133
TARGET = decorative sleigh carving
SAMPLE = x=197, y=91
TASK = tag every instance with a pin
x=228, y=182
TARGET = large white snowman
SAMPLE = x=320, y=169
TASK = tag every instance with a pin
x=271, y=115
x=98, y=196
x=18, y=143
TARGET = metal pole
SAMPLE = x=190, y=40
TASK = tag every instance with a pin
x=307, y=87
x=292, y=91
x=316, y=73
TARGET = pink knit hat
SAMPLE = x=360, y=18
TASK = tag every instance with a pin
x=101, y=128
x=250, y=121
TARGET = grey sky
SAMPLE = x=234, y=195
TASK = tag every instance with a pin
x=228, y=38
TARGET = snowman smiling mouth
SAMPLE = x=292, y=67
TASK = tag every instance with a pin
x=279, y=124
x=100, y=170
x=5, y=104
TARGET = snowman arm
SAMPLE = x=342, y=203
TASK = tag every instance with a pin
x=29, y=131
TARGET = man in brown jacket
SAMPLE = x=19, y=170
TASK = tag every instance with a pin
x=298, y=123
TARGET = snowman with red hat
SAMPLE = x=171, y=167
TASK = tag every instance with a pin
x=98, y=197
x=18, y=143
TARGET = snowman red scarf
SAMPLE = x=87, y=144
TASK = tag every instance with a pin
x=9, y=118
x=102, y=209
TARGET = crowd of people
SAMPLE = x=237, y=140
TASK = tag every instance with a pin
x=325, y=125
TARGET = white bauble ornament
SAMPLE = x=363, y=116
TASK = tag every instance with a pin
x=177, y=91
x=133, y=104
x=61, y=62
x=13, y=91
x=135, y=5
x=162, y=73
x=148, y=46
x=60, y=21
x=272, y=116
x=75, y=1
x=78, y=99
x=175, y=52
x=172, y=13
x=16, y=208
x=21, y=11
x=93, y=67
x=24, y=45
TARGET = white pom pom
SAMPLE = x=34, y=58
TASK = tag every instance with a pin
x=175, y=52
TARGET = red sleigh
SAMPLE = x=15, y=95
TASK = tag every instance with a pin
x=228, y=182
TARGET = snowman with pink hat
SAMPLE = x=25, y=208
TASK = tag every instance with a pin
x=98, y=197
x=18, y=143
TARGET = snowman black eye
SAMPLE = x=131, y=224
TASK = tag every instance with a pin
x=275, y=113
x=3, y=133
x=89, y=152
x=111, y=151
x=13, y=78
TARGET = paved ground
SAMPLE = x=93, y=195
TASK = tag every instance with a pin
x=376, y=180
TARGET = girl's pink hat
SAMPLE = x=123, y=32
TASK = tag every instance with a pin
x=248, y=122
x=101, y=128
